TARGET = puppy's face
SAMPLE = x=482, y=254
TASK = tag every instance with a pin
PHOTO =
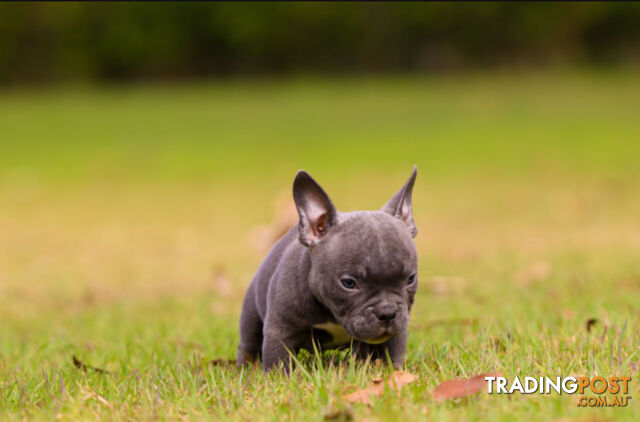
x=364, y=263
x=365, y=272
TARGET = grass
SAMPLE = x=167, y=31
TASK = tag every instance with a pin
x=127, y=213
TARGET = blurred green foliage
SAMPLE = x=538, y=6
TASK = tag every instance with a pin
x=541, y=126
x=102, y=41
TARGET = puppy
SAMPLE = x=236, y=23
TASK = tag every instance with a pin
x=338, y=278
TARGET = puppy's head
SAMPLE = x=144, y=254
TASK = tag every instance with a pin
x=363, y=263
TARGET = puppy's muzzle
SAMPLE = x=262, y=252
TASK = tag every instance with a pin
x=386, y=313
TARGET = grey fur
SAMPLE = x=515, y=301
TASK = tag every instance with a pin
x=296, y=298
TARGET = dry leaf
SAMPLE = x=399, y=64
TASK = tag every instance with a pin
x=590, y=323
x=593, y=321
x=461, y=387
x=82, y=366
x=396, y=381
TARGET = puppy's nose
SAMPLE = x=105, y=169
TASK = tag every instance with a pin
x=386, y=313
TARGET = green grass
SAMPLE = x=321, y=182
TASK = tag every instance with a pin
x=120, y=207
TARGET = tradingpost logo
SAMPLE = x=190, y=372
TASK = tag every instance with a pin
x=617, y=387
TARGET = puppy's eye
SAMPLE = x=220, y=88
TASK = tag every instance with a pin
x=349, y=283
x=411, y=279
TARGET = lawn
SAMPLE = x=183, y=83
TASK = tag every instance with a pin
x=132, y=218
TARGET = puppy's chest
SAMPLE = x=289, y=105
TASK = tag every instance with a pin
x=331, y=334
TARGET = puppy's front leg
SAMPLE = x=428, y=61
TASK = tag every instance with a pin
x=277, y=345
x=395, y=347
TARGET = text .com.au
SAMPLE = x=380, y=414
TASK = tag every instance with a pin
x=617, y=387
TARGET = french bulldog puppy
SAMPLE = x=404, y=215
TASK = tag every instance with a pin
x=338, y=278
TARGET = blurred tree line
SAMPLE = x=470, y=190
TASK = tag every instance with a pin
x=101, y=41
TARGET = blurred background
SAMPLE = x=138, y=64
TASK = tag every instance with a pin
x=176, y=41
x=147, y=151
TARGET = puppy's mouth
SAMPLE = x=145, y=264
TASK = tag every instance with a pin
x=384, y=336
x=378, y=340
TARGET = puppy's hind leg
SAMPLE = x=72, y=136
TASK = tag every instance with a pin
x=250, y=330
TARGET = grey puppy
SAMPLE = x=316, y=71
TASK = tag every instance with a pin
x=335, y=279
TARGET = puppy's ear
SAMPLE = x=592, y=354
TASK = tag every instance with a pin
x=315, y=209
x=400, y=204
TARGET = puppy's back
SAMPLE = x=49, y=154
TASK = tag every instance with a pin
x=269, y=266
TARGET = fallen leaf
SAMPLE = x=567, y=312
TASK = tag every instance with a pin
x=396, y=381
x=84, y=367
x=590, y=323
x=452, y=389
